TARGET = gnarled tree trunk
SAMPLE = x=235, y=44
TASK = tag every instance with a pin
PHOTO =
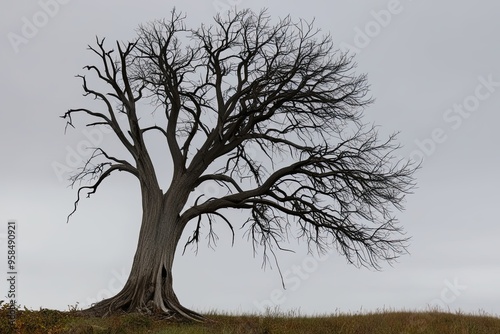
x=149, y=288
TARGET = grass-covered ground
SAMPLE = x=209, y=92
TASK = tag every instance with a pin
x=52, y=322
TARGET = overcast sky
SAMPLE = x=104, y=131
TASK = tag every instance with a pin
x=434, y=71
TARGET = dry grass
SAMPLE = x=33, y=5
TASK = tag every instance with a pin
x=383, y=322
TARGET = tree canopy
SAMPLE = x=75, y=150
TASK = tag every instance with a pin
x=270, y=113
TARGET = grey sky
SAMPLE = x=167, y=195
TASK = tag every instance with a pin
x=434, y=71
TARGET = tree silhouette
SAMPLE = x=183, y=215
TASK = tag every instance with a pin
x=271, y=115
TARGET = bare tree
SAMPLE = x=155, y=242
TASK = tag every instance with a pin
x=270, y=113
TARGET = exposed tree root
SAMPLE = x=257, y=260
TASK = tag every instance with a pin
x=122, y=304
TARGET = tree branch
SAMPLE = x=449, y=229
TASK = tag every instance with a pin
x=93, y=187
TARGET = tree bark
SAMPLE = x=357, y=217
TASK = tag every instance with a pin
x=149, y=288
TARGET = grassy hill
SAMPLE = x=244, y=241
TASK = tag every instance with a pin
x=56, y=322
